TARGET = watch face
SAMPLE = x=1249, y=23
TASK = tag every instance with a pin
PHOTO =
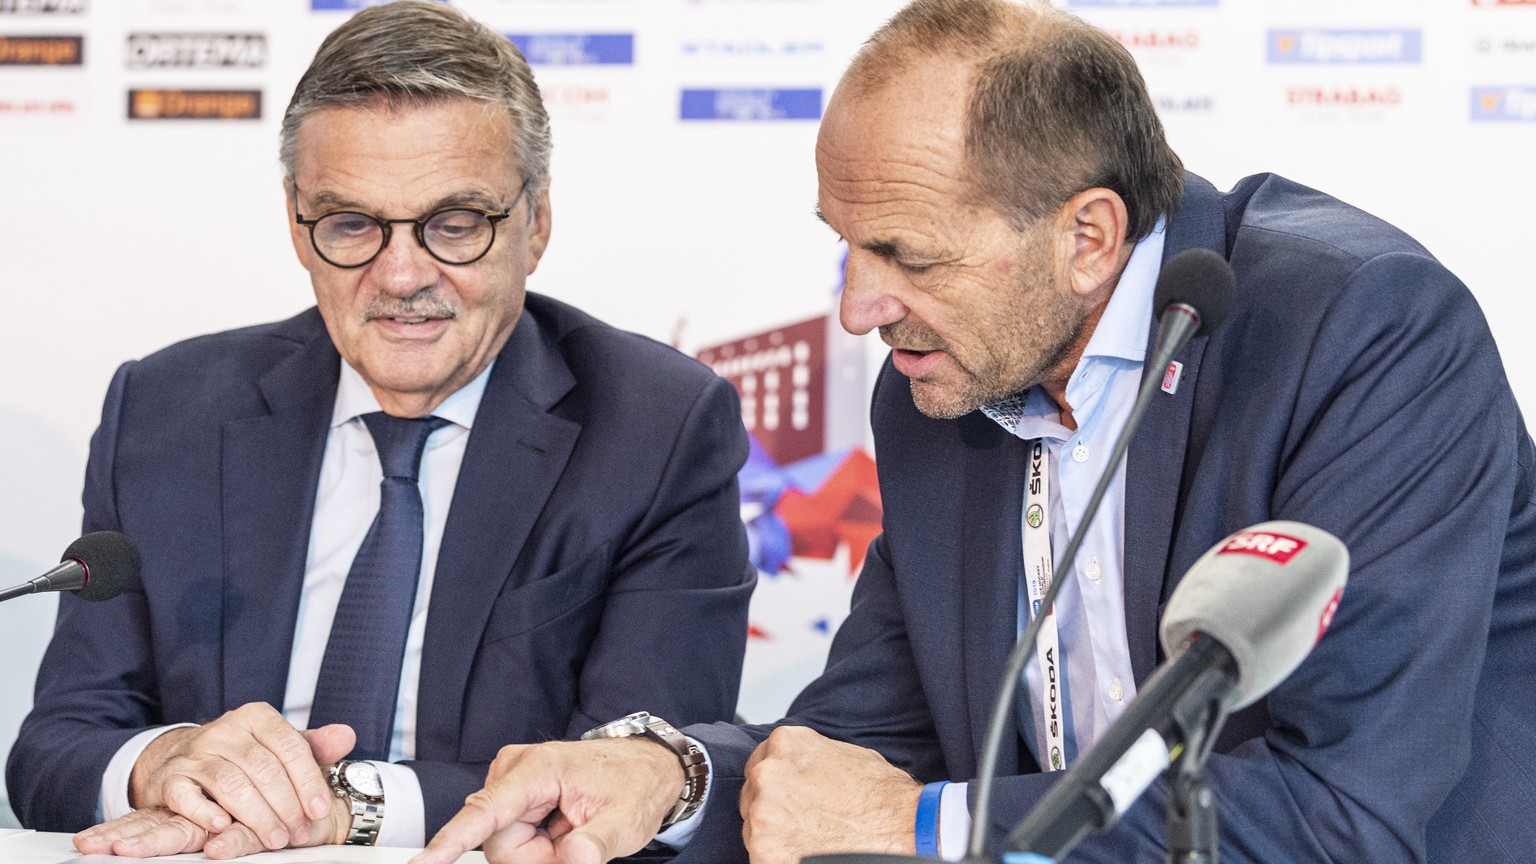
x=364, y=778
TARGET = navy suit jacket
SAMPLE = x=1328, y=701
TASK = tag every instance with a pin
x=595, y=514
x=1355, y=387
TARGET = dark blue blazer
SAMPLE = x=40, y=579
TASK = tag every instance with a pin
x=593, y=562
x=1355, y=386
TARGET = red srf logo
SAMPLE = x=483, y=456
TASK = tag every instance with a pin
x=1328, y=612
x=1279, y=548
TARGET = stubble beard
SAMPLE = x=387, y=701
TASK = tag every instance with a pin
x=1021, y=352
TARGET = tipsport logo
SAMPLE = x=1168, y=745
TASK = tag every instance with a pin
x=1317, y=46
x=1504, y=104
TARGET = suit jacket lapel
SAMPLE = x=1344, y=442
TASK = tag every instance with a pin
x=515, y=456
x=271, y=465
x=992, y=562
x=1156, y=461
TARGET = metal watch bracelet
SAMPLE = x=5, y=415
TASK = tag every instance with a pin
x=695, y=766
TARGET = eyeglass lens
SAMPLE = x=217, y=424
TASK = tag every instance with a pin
x=453, y=236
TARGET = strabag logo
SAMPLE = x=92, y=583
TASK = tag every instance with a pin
x=194, y=104
x=42, y=50
x=42, y=7
x=1343, y=96
x=576, y=49
x=1158, y=40
x=1504, y=104
x=1279, y=548
x=197, y=50
x=1346, y=46
x=751, y=104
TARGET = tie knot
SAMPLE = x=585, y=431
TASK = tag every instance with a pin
x=400, y=441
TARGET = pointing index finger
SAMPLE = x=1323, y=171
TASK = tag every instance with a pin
x=492, y=810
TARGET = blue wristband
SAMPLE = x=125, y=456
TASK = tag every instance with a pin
x=927, y=828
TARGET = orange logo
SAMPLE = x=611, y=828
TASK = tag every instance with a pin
x=194, y=104
x=42, y=50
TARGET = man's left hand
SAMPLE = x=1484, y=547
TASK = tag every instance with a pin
x=158, y=831
x=806, y=794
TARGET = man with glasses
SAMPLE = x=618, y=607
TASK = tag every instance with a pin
x=431, y=516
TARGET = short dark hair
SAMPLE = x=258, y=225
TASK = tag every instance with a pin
x=1056, y=106
x=413, y=52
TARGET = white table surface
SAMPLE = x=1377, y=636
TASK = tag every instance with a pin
x=32, y=847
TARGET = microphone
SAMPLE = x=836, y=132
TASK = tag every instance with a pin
x=1243, y=618
x=1194, y=291
x=98, y=566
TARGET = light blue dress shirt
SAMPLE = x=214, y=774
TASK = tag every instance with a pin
x=1090, y=610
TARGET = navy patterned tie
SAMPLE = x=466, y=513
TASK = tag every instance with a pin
x=360, y=674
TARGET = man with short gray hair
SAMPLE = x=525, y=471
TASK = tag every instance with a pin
x=433, y=515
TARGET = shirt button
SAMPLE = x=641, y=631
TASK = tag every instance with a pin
x=1116, y=690
x=1080, y=453
x=1094, y=570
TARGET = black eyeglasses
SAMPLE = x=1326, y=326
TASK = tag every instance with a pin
x=457, y=235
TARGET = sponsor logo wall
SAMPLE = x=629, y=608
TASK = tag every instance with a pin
x=683, y=188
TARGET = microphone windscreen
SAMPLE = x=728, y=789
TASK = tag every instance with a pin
x=1198, y=278
x=1267, y=593
x=111, y=563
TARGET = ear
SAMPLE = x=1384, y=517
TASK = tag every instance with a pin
x=538, y=232
x=297, y=234
x=1095, y=221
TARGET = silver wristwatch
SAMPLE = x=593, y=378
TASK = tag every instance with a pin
x=360, y=784
x=695, y=766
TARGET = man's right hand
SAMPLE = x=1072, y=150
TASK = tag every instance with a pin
x=248, y=766
x=611, y=796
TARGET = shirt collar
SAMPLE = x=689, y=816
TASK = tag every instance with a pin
x=355, y=398
x=1122, y=329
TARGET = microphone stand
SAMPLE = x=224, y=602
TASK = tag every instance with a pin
x=1192, y=834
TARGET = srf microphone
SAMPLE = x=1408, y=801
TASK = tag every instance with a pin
x=1241, y=621
x=98, y=566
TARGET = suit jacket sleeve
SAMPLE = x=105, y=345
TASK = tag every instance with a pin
x=98, y=693
x=869, y=694
x=674, y=619
x=1403, y=441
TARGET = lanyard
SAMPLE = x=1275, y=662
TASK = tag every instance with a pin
x=1037, y=579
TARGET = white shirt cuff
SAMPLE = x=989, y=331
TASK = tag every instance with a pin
x=405, y=816
x=954, y=822
x=678, y=834
x=113, y=802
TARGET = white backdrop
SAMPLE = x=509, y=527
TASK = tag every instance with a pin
x=119, y=236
